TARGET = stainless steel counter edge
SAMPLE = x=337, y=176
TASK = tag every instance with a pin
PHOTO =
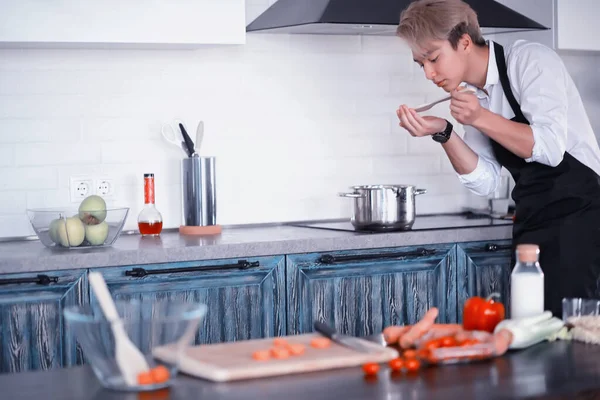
x=31, y=255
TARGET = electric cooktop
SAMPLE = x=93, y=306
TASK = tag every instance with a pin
x=422, y=223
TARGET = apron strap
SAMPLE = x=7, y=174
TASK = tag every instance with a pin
x=501, y=64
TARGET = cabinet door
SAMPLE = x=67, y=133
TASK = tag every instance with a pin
x=484, y=268
x=129, y=23
x=33, y=335
x=362, y=292
x=242, y=303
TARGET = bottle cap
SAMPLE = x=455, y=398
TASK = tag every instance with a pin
x=148, y=175
x=528, y=252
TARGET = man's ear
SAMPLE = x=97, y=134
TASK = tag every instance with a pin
x=465, y=43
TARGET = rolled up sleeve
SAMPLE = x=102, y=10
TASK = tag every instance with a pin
x=484, y=179
x=542, y=94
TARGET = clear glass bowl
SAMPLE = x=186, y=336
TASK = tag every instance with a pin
x=578, y=307
x=63, y=228
x=151, y=327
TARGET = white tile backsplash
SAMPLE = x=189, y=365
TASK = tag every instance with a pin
x=292, y=120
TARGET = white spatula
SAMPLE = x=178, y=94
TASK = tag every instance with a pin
x=130, y=360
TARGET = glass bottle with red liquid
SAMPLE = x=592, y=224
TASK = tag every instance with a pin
x=149, y=220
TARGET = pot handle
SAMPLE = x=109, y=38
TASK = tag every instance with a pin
x=353, y=195
x=420, y=191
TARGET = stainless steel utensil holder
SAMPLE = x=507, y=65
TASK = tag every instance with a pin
x=199, y=191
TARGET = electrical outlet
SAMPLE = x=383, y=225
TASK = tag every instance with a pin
x=81, y=187
x=104, y=187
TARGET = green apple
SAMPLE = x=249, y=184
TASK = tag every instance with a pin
x=96, y=234
x=53, y=229
x=92, y=210
x=70, y=232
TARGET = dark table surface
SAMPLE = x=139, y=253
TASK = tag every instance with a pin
x=557, y=370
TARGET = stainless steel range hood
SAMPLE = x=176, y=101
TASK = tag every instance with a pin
x=372, y=17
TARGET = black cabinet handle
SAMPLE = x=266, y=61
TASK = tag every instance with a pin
x=40, y=280
x=497, y=247
x=141, y=272
x=420, y=252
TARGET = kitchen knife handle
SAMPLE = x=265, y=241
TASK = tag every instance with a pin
x=188, y=141
x=324, y=329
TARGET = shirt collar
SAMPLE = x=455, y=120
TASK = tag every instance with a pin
x=493, y=76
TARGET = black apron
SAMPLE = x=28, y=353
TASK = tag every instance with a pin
x=557, y=208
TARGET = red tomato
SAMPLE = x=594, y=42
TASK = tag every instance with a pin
x=412, y=365
x=370, y=368
x=396, y=364
x=482, y=314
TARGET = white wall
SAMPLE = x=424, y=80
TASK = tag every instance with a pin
x=292, y=121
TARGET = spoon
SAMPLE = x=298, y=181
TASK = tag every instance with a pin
x=130, y=359
x=428, y=106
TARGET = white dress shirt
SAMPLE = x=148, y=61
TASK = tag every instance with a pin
x=550, y=102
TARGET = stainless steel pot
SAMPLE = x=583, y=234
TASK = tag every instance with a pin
x=383, y=207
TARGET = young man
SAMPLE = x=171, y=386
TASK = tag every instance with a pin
x=526, y=115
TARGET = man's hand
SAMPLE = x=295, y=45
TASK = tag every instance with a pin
x=465, y=107
x=417, y=125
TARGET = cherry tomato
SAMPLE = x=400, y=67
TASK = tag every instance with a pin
x=412, y=365
x=482, y=314
x=396, y=364
x=370, y=368
x=410, y=353
x=448, y=341
x=423, y=354
x=432, y=344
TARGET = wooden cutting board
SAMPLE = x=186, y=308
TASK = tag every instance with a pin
x=225, y=362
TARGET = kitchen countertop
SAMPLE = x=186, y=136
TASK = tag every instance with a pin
x=557, y=370
x=245, y=241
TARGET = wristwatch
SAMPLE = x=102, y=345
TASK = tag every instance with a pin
x=442, y=137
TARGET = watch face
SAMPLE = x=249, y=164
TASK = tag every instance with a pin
x=442, y=137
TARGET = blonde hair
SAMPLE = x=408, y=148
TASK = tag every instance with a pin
x=426, y=20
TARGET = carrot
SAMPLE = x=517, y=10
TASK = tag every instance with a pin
x=320, y=343
x=261, y=355
x=419, y=329
x=280, y=352
x=160, y=374
x=145, y=378
x=296, y=349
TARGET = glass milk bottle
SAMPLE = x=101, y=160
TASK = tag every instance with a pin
x=527, y=283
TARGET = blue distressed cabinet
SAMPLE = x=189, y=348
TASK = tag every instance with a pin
x=33, y=333
x=482, y=269
x=361, y=292
x=245, y=297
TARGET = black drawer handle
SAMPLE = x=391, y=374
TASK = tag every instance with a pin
x=329, y=259
x=497, y=247
x=141, y=272
x=40, y=280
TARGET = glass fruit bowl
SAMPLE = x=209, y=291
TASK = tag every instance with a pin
x=167, y=324
x=70, y=228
